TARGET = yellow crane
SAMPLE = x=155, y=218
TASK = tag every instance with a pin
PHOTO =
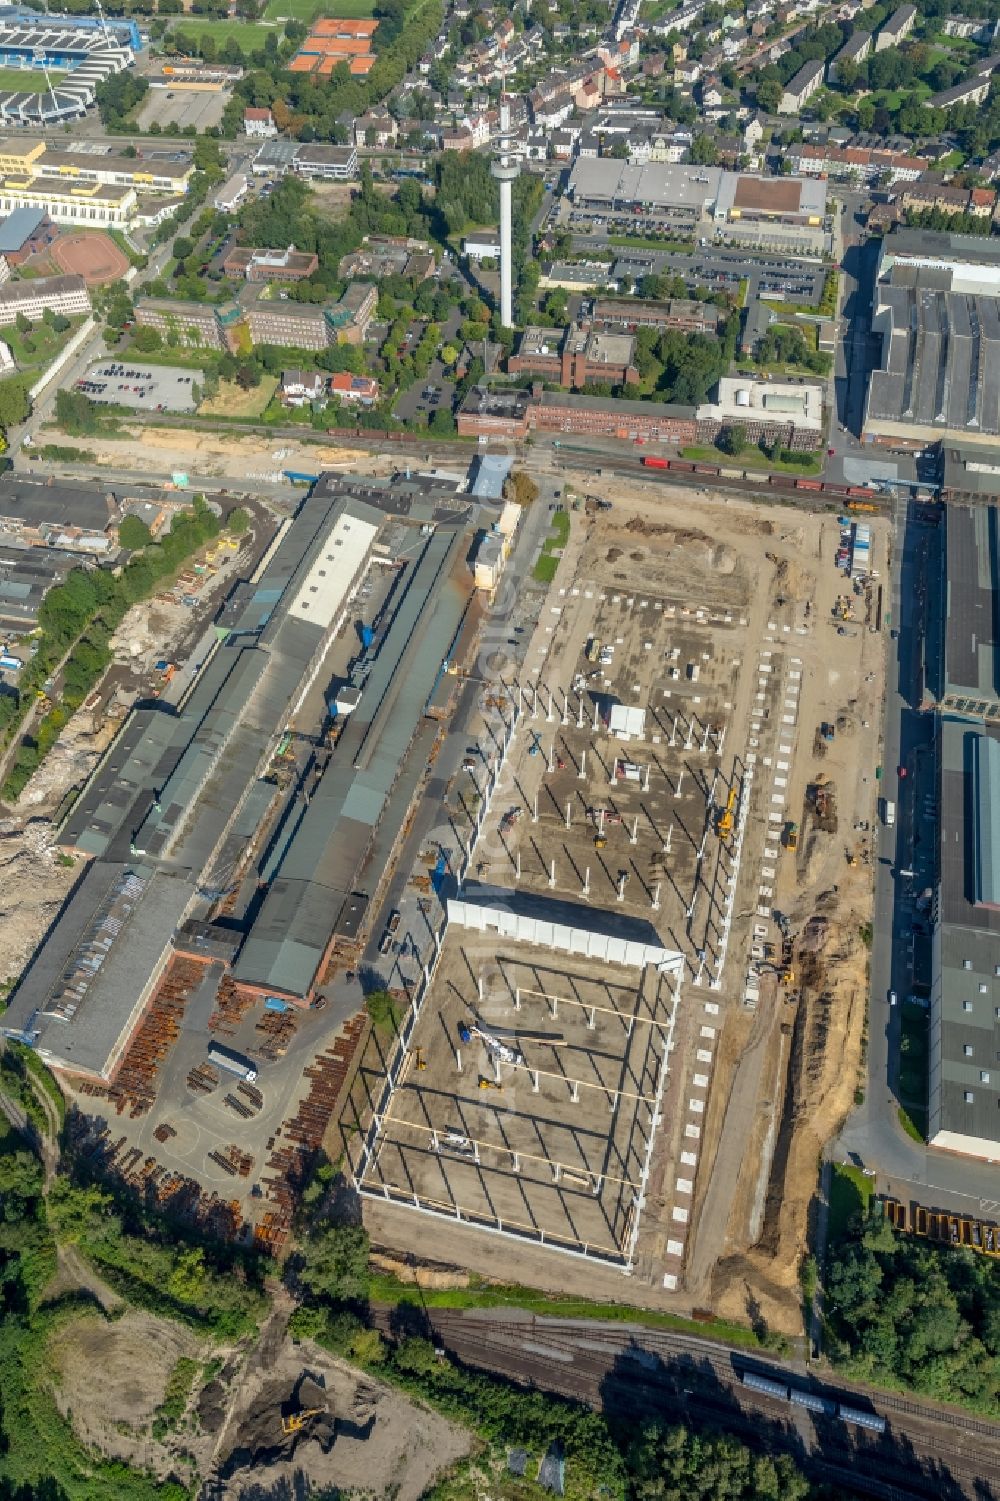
x=296, y=1421
x=725, y=820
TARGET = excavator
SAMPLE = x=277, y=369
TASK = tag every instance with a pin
x=296, y=1421
x=724, y=821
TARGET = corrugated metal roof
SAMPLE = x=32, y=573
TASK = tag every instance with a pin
x=334, y=833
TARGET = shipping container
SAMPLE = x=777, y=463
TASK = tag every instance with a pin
x=12, y=664
x=650, y=461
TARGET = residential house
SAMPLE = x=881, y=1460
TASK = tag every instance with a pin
x=302, y=387
x=357, y=390
x=259, y=124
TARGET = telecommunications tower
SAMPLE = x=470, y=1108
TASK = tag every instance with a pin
x=506, y=170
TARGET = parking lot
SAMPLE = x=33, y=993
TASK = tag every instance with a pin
x=182, y=107
x=528, y=1096
x=149, y=388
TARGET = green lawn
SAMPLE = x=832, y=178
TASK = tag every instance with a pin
x=913, y=1057
x=752, y=458
x=29, y=80
x=248, y=34
x=46, y=341
x=307, y=10
x=913, y=1122
x=850, y=1195
x=545, y=569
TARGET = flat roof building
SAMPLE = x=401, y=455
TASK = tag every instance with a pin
x=964, y=1081
x=937, y=309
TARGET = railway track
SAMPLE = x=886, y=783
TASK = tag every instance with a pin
x=630, y=1368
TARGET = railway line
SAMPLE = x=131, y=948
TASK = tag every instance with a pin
x=631, y=1369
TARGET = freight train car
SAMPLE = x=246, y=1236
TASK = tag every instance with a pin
x=826, y=1407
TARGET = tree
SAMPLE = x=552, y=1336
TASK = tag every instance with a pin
x=336, y=1263
x=187, y=1280
x=238, y=521
x=133, y=533
x=732, y=440
x=769, y=93
x=521, y=488
x=146, y=340
x=704, y=152
x=15, y=403
x=22, y=324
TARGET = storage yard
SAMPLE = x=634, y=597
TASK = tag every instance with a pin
x=668, y=782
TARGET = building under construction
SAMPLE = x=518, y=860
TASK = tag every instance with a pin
x=185, y=808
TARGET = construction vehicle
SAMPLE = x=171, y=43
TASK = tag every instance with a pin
x=790, y=836
x=726, y=818
x=296, y=1421
x=485, y=1083
x=599, y=841
x=419, y=1060
x=851, y=858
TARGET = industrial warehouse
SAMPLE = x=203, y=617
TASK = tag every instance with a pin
x=937, y=309
x=964, y=1094
x=197, y=806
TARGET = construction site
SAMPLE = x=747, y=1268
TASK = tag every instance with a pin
x=685, y=794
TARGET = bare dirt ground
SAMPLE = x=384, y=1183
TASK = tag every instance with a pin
x=365, y=1439
x=217, y=455
x=33, y=886
x=135, y=1357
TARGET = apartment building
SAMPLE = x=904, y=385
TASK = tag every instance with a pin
x=807, y=80
x=855, y=50
x=193, y=322
x=897, y=28
x=854, y=163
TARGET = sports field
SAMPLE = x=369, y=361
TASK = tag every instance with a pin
x=28, y=80
x=308, y=10
x=248, y=34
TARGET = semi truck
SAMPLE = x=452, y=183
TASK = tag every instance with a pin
x=888, y=813
x=233, y=1063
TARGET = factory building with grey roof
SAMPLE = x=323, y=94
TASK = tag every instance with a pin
x=964, y=1077
x=172, y=816
x=937, y=309
x=964, y=1088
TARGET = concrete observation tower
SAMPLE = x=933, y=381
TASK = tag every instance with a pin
x=506, y=169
